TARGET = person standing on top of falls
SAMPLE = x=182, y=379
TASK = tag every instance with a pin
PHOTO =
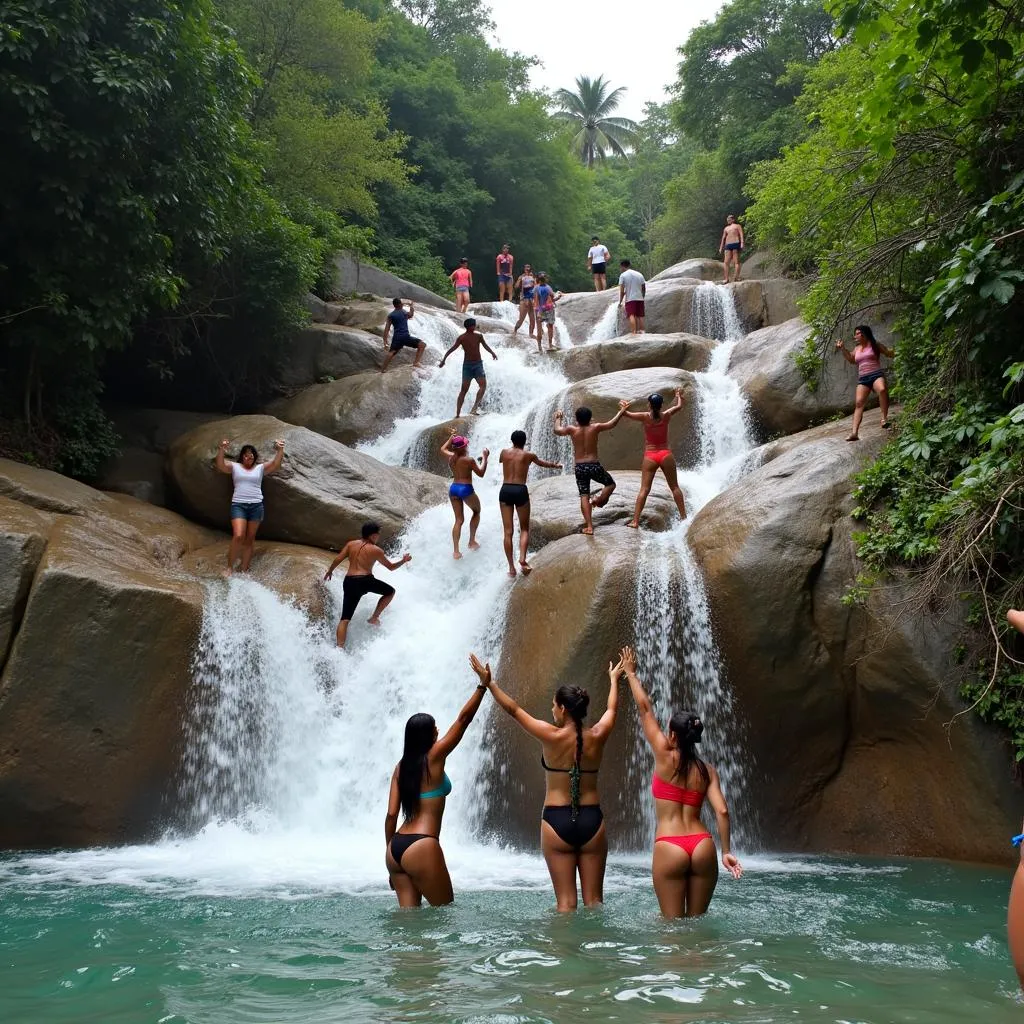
x=472, y=365
x=504, y=263
x=544, y=299
x=656, y=451
x=462, y=279
x=515, y=495
x=732, y=245
x=588, y=466
x=363, y=555
x=397, y=326
x=419, y=788
x=597, y=263
x=460, y=491
x=685, y=864
x=633, y=291
x=870, y=375
x=525, y=286
x=572, y=830
x=247, y=498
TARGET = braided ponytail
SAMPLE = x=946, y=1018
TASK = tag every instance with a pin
x=574, y=700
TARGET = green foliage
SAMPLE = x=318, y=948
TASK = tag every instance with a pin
x=587, y=111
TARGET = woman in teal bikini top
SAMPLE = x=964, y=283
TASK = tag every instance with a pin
x=419, y=787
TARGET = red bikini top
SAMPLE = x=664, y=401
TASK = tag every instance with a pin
x=677, y=794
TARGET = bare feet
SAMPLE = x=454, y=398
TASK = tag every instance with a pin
x=474, y=545
x=633, y=525
x=587, y=531
x=227, y=573
x=526, y=567
x=853, y=437
x=373, y=621
x=512, y=573
x=884, y=424
x=458, y=554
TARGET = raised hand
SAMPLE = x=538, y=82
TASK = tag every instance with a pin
x=224, y=444
x=839, y=344
x=623, y=403
x=483, y=671
x=614, y=671
x=279, y=445
x=627, y=658
x=406, y=558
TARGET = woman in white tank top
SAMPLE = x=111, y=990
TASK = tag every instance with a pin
x=247, y=498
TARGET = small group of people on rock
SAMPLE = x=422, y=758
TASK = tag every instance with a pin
x=573, y=830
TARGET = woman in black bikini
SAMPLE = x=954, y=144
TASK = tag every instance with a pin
x=419, y=786
x=572, y=832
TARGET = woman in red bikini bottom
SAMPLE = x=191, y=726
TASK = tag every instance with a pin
x=685, y=865
x=656, y=451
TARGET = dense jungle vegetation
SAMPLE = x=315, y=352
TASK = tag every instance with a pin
x=178, y=173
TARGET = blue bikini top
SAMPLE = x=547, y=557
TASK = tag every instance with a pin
x=443, y=790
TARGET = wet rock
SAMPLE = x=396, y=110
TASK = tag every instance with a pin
x=426, y=454
x=327, y=350
x=137, y=472
x=685, y=351
x=23, y=533
x=698, y=269
x=355, y=275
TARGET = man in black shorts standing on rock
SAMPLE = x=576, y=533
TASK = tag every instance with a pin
x=472, y=365
x=362, y=556
x=597, y=262
x=514, y=494
x=588, y=465
x=397, y=327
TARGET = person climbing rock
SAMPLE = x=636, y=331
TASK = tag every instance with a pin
x=419, y=790
x=462, y=279
x=247, y=498
x=597, y=263
x=657, y=453
x=363, y=554
x=633, y=291
x=588, y=466
x=525, y=286
x=572, y=830
x=397, y=328
x=870, y=375
x=514, y=496
x=460, y=491
x=685, y=864
x=732, y=245
x=472, y=365
x=503, y=263
x=544, y=299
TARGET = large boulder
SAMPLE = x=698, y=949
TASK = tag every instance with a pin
x=583, y=313
x=782, y=297
x=326, y=350
x=354, y=275
x=764, y=365
x=425, y=452
x=353, y=409
x=685, y=351
x=555, y=507
x=622, y=448
x=23, y=533
x=848, y=750
x=698, y=269
x=322, y=495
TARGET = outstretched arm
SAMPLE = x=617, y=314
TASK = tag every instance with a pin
x=534, y=726
x=481, y=467
x=487, y=347
x=223, y=465
x=451, y=739
x=887, y=352
x=274, y=464
x=383, y=559
x=613, y=422
x=652, y=730
x=606, y=722
x=624, y=409
x=342, y=555
x=560, y=428
x=721, y=809
x=840, y=347
x=448, y=353
x=543, y=463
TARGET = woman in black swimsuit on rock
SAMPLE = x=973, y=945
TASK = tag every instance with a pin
x=572, y=832
x=419, y=787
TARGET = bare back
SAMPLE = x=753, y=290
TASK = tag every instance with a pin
x=470, y=343
x=515, y=465
x=676, y=819
x=584, y=443
x=362, y=557
x=560, y=752
x=427, y=819
x=462, y=468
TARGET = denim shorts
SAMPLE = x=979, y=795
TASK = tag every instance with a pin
x=251, y=512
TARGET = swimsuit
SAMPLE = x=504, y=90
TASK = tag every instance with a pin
x=514, y=494
x=656, y=439
x=527, y=281
x=869, y=369
x=575, y=830
x=505, y=273
x=732, y=246
x=355, y=588
x=587, y=471
x=401, y=841
x=462, y=491
x=662, y=790
x=461, y=278
x=473, y=369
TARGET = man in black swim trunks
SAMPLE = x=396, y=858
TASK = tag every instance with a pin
x=597, y=263
x=588, y=466
x=362, y=556
x=397, y=327
x=514, y=494
x=472, y=366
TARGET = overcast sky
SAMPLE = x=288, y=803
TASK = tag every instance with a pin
x=631, y=43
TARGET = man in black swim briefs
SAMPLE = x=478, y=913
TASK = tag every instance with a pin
x=362, y=556
x=514, y=494
x=588, y=465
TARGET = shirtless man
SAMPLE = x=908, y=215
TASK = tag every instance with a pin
x=514, y=494
x=732, y=244
x=503, y=264
x=362, y=556
x=472, y=365
x=588, y=465
x=460, y=491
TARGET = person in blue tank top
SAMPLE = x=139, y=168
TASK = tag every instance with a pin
x=544, y=307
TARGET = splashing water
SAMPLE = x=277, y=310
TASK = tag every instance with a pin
x=607, y=328
x=713, y=313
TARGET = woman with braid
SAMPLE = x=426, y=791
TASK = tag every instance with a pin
x=572, y=832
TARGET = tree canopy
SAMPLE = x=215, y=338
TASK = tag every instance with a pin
x=588, y=111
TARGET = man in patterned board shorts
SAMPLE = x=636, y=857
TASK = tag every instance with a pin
x=588, y=466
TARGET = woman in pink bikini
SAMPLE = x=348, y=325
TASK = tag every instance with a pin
x=685, y=865
x=870, y=375
x=656, y=451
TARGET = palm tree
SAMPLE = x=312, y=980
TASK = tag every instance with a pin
x=587, y=110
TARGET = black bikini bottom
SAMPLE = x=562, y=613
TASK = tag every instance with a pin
x=574, y=833
x=401, y=841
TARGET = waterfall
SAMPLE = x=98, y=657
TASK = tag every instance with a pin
x=713, y=313
x=607, y=327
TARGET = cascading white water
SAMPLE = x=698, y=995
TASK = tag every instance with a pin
x=607, y=327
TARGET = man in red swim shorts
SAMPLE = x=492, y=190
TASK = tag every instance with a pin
x=633, y=291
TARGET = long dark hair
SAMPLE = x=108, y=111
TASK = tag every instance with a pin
x=655, y=401
x=869, y=336
x=249, y=448
x=574, y=701
x=687, y=728
x=419, y=738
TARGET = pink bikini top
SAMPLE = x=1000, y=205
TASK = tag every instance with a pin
x=677, y=794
